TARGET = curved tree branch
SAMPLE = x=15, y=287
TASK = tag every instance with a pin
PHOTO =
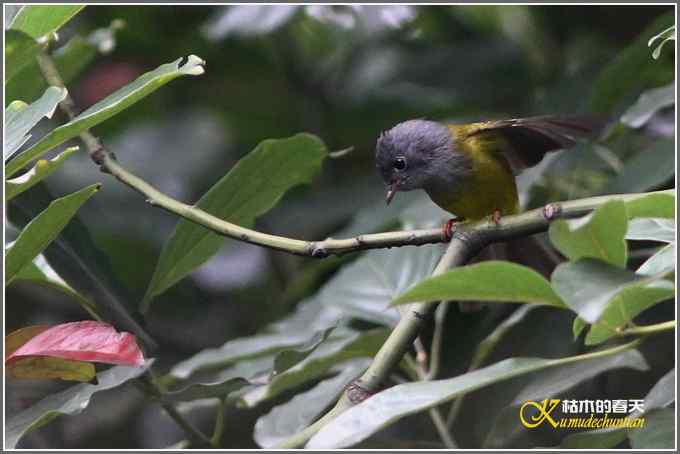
x=523, y=224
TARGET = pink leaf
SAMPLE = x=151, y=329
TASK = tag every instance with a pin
x=84, y=341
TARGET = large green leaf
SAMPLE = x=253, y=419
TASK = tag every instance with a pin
x=21, y=118
x=41, y=170
x=296, y=414
x=365, y=288
x=81, y=262
x=43, y=229
x=239, y=349
x=625, y=306
x=39, y=20
x=339, y=347
x=648, y=104
x=207, y=390
x=251, y=188
x=379, y=411
x=588, y=285
x=108, y=107
x=657, y=433
x=68, y=402
x=495, y=281
x=660, y=263
x=659, y=205
x=553, y=383
x=652, y=229
x=70, y=59
x=289, y=357
x=599, y=235
x=646, y=170
x=20, y=50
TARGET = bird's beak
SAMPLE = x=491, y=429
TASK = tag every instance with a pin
x=391, y=191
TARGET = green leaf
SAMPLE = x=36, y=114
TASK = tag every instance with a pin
x=41, y=273
x=492, y=280
x=237, y=350
x=379, y=411
x=651, y=229
x=20, y=118
x=251, y=188
x=657, y=433
x=578, y=326
x=341, y=346
x=285, y=420
x=652, y=206
x=365, y=288
x=219, y=389
x=553, y=383
x=660, y=263
x=290, y=357
x=68, y=402
x=599, y=235
x=81, y=262
x=625, y=306
x=70, y=60
x=588, y=285
x=648, y=104
x=43, y=229
x=648, y=169
x=665, y=36
x=632, y=71
x=108, y=107
x=41, y=170
x=20, y=50
x=39, y=20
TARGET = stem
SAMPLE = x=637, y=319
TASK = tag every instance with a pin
x=219, y=425
x=484, y=350
x=197, y=437
x=437, y=337
x=649, y=329
x=417, y=372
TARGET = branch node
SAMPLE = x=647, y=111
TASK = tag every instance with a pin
x=99, y=157
x=552, y=211
x=356, y=393
x=319, y=251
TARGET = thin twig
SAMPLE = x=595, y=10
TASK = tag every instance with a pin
x=649, y=329
x=219, y=424
x=418, y=372
x=437, y=337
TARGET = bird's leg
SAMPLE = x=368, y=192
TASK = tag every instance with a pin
x=496, y=217
x=449, y=227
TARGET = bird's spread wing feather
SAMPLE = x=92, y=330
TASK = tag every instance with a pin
x=524, y=141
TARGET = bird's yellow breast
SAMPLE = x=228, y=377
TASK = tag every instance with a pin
x=491, y=185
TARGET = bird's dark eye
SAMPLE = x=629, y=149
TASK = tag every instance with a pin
x=399, y=163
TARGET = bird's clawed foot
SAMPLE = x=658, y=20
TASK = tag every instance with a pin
x=449, y=228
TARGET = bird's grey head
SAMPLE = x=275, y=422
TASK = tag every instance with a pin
x=415, y=154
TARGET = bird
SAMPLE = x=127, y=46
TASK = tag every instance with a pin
x=469, y=169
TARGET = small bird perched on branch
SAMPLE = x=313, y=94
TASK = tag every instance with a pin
x=469, y=169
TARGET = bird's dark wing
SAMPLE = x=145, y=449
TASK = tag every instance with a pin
x=527, y=140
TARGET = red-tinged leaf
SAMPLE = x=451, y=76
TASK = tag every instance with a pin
x=46, y=367
x=17, y=338
x=84, y=341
